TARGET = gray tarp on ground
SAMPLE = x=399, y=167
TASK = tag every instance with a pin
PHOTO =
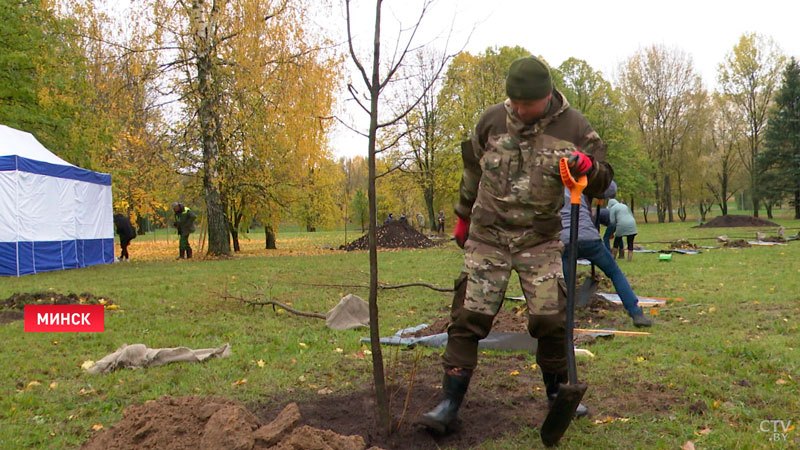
x=138, y=355
x=495, y=340
x=614, y=298
x=351, y=312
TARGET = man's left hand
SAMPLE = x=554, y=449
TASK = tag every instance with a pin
x=580, y=164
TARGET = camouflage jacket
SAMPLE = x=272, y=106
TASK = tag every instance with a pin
x=511, y=180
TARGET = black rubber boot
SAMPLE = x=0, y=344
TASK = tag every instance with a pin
x=182, y=254
x=640, y=320
x=551, y=382
x=189, y=253
x=443, y=419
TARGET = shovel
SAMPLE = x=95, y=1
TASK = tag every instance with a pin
x=569, y=395
x=589, y=287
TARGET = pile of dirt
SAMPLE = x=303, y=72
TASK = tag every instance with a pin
x=741, y=243
x=736, y=221
x=11, y=308
x=395, y=234
x=18, y=301
x=682, y=244
x=499, y=403
x=213, y=423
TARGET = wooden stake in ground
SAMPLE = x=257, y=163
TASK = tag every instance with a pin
x=602, y=331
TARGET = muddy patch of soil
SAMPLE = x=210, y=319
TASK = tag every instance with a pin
x=506, y=396
x=741, y=243
x=19, y=300
x=11, y=307
x=394, y=234
x=733, y=220
x=497, y=404
x=213, y=423
x=7, y=316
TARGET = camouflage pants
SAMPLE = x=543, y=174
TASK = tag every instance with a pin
x=481, y=289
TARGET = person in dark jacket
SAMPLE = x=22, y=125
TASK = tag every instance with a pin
x=440, y=222
x=184, y=223
x=126, y=234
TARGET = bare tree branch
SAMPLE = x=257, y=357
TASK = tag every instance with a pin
x=273, y=303
x=352, y=50
x=384, y=286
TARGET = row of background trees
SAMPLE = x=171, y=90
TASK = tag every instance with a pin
x=228, y=105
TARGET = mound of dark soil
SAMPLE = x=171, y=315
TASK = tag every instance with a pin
x=736, y=221
x=394, y=234
x=213, y=423
x=505, y=398
x=682, y=244
x=19, y=300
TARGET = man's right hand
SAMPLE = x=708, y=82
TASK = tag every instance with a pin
x=461, y=231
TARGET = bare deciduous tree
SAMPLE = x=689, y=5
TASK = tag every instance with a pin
x=749, y=76
x=664, y=93
x=377, y=81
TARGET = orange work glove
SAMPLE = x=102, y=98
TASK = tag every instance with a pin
x=461, y=231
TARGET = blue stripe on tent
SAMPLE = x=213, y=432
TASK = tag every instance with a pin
x=8, y=258
x=14, y=162
x=8, y=162
x=23, y=258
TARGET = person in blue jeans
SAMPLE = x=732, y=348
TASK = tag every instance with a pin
x=591, y=247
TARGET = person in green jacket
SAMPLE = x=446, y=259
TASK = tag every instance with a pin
x=622, y=219
x=184, y=223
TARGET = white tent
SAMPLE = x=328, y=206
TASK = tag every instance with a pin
x=53, y=215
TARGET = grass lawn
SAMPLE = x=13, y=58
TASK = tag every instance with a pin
x=724, y=360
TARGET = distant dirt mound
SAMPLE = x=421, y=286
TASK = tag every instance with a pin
x=19, y=300
x=736, y=221
x=394, y=234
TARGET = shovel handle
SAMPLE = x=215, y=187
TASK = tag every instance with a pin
x=575, y=187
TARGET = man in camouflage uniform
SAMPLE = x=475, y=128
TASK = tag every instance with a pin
x=509, y=218
x=184, y=223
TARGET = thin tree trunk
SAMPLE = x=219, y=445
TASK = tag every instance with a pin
x=797, y=204
x=428, y=195
x=668, y=198
x=382, y=401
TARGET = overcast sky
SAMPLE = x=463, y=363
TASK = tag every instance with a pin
x=603, y=33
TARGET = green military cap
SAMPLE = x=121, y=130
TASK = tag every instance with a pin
x=528, y=79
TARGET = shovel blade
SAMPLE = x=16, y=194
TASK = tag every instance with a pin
x=584, y=294
x=562, y=412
